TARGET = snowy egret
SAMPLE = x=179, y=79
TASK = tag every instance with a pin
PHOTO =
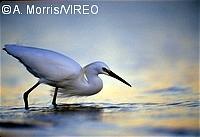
x=60, y=71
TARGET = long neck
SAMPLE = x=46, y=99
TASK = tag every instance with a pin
x=94, y=83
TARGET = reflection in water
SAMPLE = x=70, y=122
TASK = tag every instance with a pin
x=179, y=118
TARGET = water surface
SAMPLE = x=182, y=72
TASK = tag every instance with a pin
x=93, y=119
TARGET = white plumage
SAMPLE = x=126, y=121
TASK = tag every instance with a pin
x=60, y=71
x=38, y=61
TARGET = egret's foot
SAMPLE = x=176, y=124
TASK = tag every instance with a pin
x=26, y=107
x=54, y=105
x=25, y=96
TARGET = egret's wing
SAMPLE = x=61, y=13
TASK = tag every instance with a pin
x=45, y=64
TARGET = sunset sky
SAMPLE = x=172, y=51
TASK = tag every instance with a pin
x=152, y=45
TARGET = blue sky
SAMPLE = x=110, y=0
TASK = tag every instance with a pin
x=153, y=45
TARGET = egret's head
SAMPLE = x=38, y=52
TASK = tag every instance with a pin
x=102, y=68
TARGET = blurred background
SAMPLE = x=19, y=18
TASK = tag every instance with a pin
x=153, y=45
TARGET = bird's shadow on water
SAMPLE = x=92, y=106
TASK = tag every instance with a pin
x=48, y=116
x=83, y=116
x=47, y=120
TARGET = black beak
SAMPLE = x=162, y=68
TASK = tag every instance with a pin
x=112, y=74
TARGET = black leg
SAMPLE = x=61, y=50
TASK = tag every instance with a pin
x=54, y=97
x=26, y=94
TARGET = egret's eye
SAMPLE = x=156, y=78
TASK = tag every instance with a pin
x=104, y=69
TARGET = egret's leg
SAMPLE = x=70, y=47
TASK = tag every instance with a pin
x=54, y=97
x=26, y=94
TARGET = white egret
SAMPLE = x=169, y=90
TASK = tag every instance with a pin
x=60, y=71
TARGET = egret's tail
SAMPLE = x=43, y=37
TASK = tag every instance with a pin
x=6, y=50
x=10, y=49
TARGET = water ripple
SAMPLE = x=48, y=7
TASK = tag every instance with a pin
x=100, y=115
x=102, y=106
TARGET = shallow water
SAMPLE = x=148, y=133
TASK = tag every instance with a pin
x=127, y=119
